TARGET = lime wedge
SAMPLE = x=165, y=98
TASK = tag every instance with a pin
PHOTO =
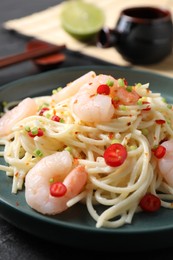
x=82, y=20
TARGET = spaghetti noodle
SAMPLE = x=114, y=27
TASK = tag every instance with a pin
x=86, y=122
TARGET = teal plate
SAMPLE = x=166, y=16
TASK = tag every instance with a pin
x=75, y=227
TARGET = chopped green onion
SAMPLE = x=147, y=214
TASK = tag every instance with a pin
x=129, y=88
x=61, y=120
x=168, y=121
x=155, y=146
x=121, y=82
x=138, y=85
x=114, y=141
x=34, y=130
x=132, y=147
x=145, y=131
x=51, y=180
x=110, y=83
x=54, y=91
x=116, y=98
x=38, y=153
x=4, y=103
x=122, y=107
x=68, y=149
x=48, y=115
x=169, y=106
x=27, y=128
x=140, y=102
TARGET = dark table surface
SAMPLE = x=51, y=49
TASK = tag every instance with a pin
x=15, y=243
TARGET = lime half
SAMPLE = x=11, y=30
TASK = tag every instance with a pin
x=82, y=20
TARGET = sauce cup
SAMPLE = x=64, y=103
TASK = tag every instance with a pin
x=142, y=35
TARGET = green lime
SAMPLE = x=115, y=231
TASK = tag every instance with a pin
x=82, y=20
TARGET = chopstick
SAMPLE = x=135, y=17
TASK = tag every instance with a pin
x=30, y=54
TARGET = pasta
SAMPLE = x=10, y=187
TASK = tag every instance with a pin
x=86, y=119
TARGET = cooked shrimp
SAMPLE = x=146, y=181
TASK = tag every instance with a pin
x=90, y=106
x=93, y=109
x=104, y=79
x=58, y=167
x=166, y=162
x=73, y=87
x=125, y=97
x=25, y=108
x=121, y=94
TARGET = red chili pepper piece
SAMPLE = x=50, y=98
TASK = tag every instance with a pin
x=55, y=118
x=150, y=203
x=160, y=121
x=148, y=107
x=30, y=134
x=57, y=189
x=115, y=155
x=43, y=110
x=103, y=89
x=125, y=82
x=39, y=133
x=116, y=103
x=160, y=151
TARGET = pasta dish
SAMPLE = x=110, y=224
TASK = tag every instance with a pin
x=97, y=141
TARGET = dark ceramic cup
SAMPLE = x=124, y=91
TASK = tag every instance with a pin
x=142, y=35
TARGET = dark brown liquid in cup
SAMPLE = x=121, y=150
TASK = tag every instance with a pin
x=142, y=35
x=146, y=13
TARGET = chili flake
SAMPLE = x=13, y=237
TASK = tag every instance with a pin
x=160, y=121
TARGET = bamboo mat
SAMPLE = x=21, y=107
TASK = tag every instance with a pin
x=45, y=25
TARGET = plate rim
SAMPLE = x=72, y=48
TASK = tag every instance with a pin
x=86, y=67
x=75, y=226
